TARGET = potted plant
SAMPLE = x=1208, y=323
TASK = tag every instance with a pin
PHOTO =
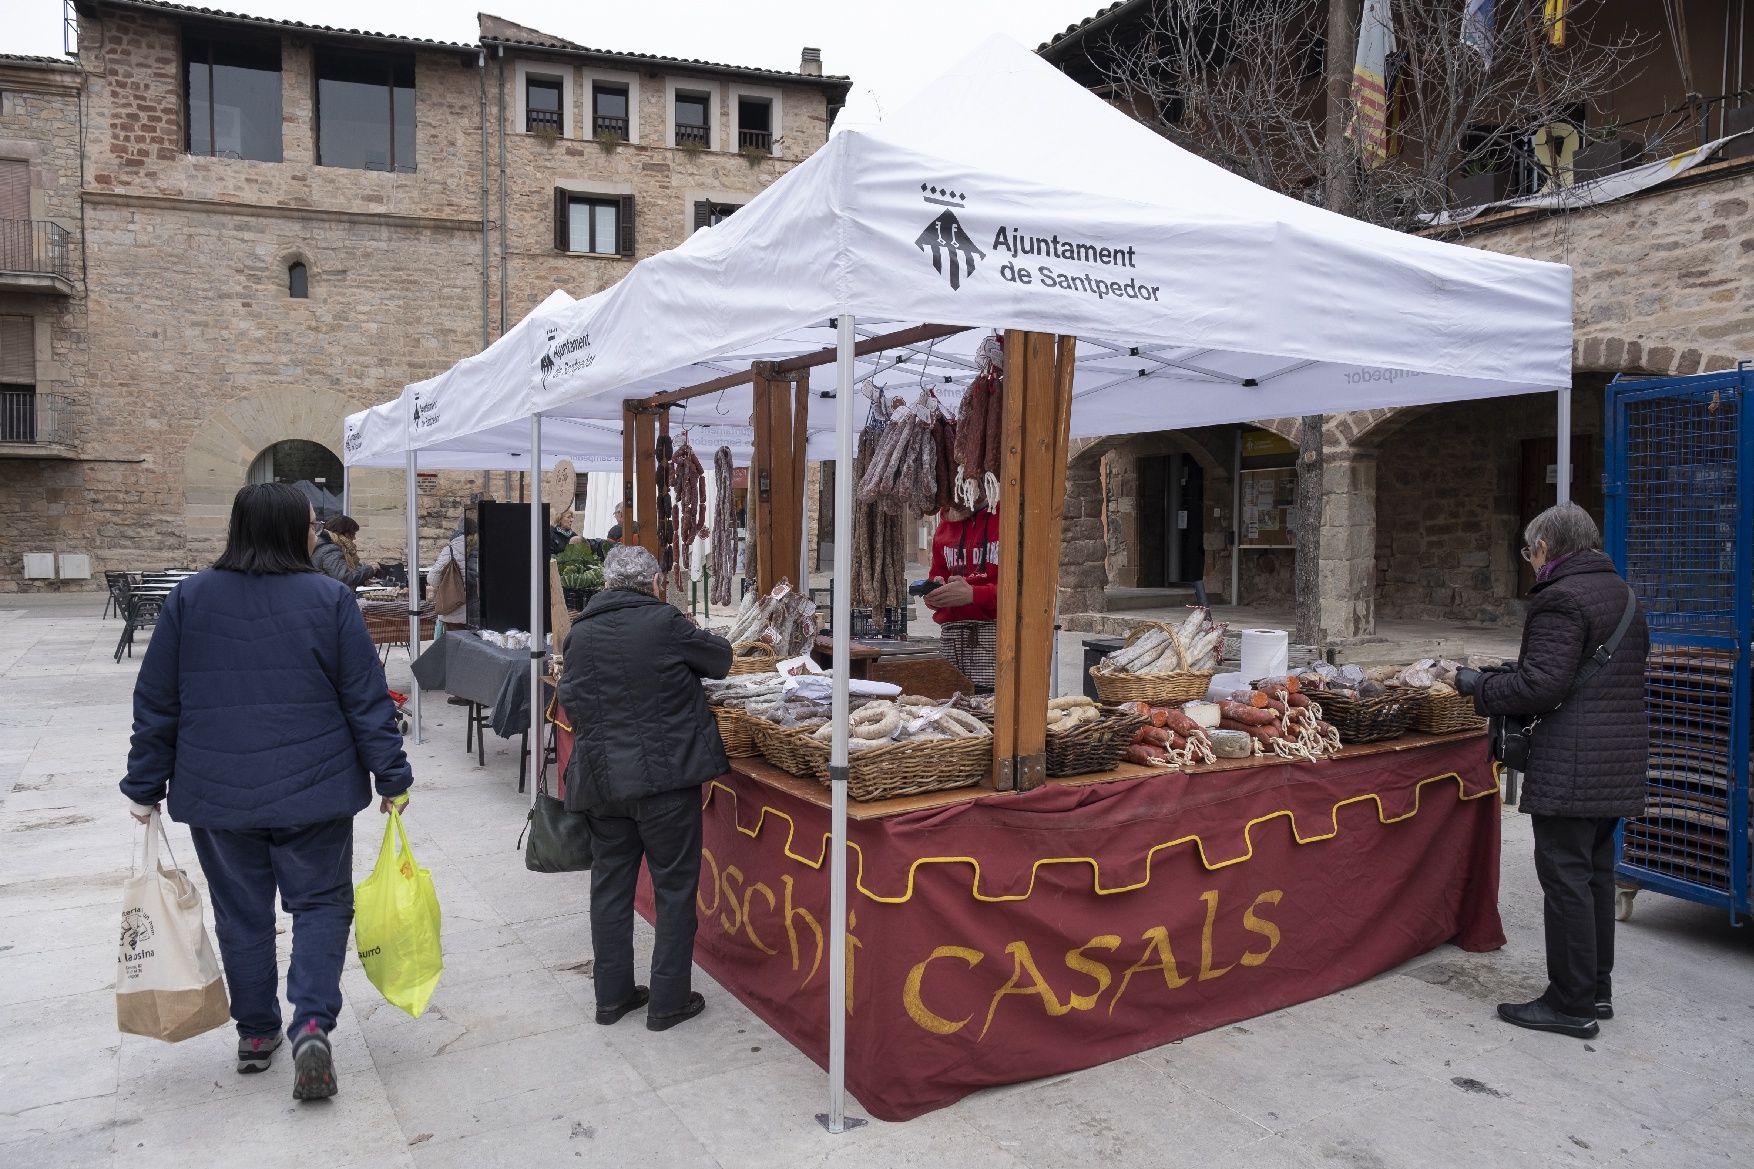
x=1479, y=182
x=580, y=575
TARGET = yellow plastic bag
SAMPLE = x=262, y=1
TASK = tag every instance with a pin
x=396, y=924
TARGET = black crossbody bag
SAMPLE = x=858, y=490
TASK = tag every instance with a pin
x=1511, y=738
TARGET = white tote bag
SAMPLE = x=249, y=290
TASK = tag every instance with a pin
x=168, y=984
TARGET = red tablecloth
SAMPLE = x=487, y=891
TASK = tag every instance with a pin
x=1019, y=936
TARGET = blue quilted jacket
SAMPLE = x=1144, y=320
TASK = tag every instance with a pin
x=261, y=704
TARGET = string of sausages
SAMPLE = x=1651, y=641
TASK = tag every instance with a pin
x=689, y=480
x=724, y=530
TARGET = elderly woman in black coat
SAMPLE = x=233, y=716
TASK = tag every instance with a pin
x=645, y=743
x=1586, y=768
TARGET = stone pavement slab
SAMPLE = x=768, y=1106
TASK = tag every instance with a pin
x=508, y=1068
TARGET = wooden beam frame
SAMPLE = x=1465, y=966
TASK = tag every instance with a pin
x=1037, y=411
x=645, y=441
x=895, y=340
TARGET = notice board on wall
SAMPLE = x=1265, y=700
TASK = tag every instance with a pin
x=1266, y=491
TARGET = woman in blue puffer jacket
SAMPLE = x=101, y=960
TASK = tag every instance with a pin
x=261, y=713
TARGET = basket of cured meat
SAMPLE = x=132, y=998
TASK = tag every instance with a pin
x=727, y=699
x=1083, y=738
x=1162, y=664
x=1269, y=718
x=901, y=747
x=1366, y=707
x=770, y=627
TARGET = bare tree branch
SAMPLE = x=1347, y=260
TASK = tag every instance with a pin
x=1239, y=82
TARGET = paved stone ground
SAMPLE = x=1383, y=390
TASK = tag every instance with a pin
x=507, y=1068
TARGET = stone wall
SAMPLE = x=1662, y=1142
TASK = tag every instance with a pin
x=1449, y=503
x=1658, y=288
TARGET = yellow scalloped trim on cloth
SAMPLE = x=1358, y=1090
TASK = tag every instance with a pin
x=1095, y=866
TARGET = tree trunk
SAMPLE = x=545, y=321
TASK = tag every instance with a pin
x=1341, y=48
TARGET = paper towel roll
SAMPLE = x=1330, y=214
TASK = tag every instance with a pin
x=1266, y=653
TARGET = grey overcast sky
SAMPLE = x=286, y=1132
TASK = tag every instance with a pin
x=888, y=47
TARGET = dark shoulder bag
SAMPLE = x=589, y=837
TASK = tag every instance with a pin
x=1511, y=738
x=554, y=840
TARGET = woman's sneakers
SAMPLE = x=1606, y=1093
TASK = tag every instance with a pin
x=257, y=1053
x=313, y=1065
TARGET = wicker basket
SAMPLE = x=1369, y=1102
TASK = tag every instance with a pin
x=882, y=773
x=1371, y=720
x=1448, y=714
x=734, y=731
x=752, y=657
x=1092, y=746
x=1114, y=688
x=1117, y=686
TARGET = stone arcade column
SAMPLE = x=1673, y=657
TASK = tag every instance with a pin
x=1083, y=550
x=1346, y=567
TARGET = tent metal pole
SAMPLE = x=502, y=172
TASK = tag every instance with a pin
x=346, y=490
x=1236, y=522
x=413, y=508
x=835, y=1119
x=538, y=573
x=1563, y=481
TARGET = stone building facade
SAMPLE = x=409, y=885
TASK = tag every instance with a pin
x=358, y=216
x=42, y=309
x=1422, y=508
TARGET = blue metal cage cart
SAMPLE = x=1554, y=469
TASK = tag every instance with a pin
x=1680, y=526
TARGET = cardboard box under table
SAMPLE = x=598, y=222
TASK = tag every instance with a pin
x=997, y=938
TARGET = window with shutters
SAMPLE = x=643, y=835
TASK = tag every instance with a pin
x=18, y=378
x=231, y=97
x=15, y=231
x=600, y=225
x=710, y=213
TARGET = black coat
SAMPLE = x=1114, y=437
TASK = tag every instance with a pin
x=632, y=692
x=1591, y=754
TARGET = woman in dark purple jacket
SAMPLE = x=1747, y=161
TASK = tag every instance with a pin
x=1589, y=761
x=261, y=714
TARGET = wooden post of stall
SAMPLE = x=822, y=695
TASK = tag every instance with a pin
x=645, y=517
x=800, y=461
x=1037, y=411
x=628, y=460
x=776, y=485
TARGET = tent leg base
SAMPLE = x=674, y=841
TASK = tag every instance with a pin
x=847, y=1122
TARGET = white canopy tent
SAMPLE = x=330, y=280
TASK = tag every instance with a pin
x=1007, y=196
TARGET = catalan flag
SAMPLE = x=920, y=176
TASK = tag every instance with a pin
x=1369, y=124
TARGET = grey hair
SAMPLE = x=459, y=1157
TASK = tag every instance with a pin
x=630, y=567
x=1566, y=528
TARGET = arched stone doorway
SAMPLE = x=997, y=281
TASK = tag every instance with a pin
x=1100, y=534
x=311, y=467
x=225, y=452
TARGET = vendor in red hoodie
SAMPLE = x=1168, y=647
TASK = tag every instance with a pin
x=965, y=566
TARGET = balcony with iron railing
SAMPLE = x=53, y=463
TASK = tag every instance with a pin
x=36, y=256
x=545, y=122
x=757, y=140
x=34, y=425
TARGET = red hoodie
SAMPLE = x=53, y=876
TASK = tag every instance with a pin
x=969, y=548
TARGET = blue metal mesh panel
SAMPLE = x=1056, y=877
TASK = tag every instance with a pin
x=1681, y=510
x=1679, y=520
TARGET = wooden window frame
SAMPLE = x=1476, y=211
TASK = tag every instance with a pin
x=625, y=237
